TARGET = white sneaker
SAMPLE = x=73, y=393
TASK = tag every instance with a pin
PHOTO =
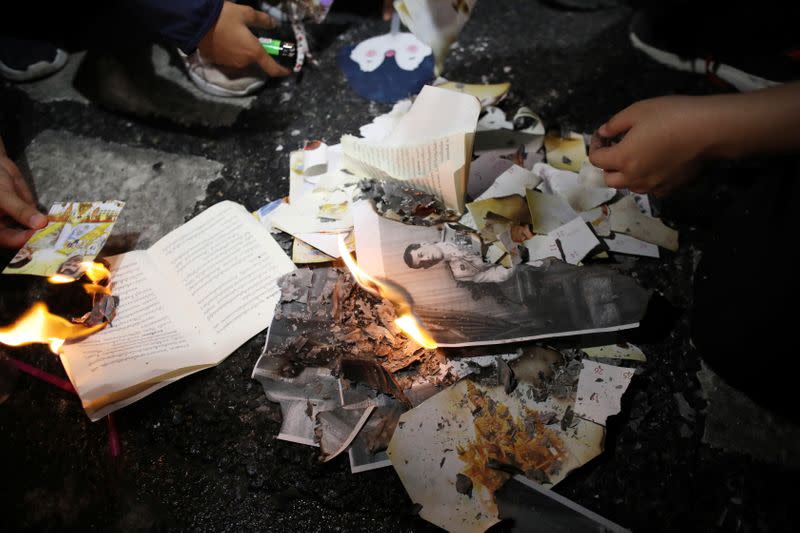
x=24, y=60
x=222, y=81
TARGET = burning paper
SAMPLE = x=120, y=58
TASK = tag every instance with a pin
x=184, y=307
x=75, y=234
x=453, y=290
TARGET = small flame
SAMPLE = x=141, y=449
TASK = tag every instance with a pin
x=405, y=320
x=96, y=272
x=39, y=325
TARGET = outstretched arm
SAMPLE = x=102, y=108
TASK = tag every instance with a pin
x=666, y=138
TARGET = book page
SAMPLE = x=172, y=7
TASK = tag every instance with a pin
x=154, y=333
x=227, y=263
x=437, y=166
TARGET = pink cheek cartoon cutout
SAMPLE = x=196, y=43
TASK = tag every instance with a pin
x=407, y=51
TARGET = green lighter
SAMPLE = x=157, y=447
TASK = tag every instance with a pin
x=275, y=47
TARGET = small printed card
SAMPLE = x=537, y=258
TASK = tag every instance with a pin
x=75, y=232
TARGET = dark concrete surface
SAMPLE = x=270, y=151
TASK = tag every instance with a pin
x=201, y=454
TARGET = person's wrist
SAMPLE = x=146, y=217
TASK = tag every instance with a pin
x=718, y=128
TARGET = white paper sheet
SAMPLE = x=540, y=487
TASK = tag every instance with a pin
x=627, y=218
x=600, y=390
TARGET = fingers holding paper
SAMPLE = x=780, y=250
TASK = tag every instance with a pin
x=658, y=148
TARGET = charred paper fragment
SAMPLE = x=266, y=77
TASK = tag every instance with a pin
x=104, y=309
x=402, y=202
x=505, y=376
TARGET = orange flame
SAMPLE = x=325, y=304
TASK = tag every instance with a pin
x=38, y=325
x=96, y=272
x=405, y=320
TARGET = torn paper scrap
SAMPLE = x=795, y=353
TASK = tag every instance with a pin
x=437, y=113
x=487, y=93
x=484, y=171
x=565, y=153
x=541, y=247
x=514, y=180
x=512, y=208
x=382, y=125
x=480, y=432
x=600, y=390
x=327, y=243
x=262, y=212
x=323, y=208
x=75, y=233
x=575, y=240
x=548, y=211
x=580, y=195
x=303, y=253
x=435, y=23
x=625, y=244
x=337, y=428
x=301, y=397
x=622, y=350
x=598, y=218
x=592, y=175
x=315, y=160
x=494, y=119
x=627, y=218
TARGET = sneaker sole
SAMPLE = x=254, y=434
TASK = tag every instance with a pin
x=38, y=70
x=216, y=90
x=739, y=79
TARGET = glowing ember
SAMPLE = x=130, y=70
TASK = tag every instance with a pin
x=405, y=320
x=38, y=325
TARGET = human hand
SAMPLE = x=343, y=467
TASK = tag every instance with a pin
x=16, y=204
x=231, y=43
x=388, y=9
x=662, y=147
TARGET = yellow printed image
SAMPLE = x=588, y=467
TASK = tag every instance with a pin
x=76, y=232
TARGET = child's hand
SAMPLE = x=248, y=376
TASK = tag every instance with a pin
x=662, y=146
x=16, y=203
x=231, y=43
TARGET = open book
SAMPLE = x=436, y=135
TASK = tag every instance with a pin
x=430, y=147
x=185, y=305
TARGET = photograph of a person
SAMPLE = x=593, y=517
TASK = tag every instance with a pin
x=463, y=300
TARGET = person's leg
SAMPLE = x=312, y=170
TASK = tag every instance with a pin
x=749, y=45
x=746, y=291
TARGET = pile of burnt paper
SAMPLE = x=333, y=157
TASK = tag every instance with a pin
x=492, y=255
